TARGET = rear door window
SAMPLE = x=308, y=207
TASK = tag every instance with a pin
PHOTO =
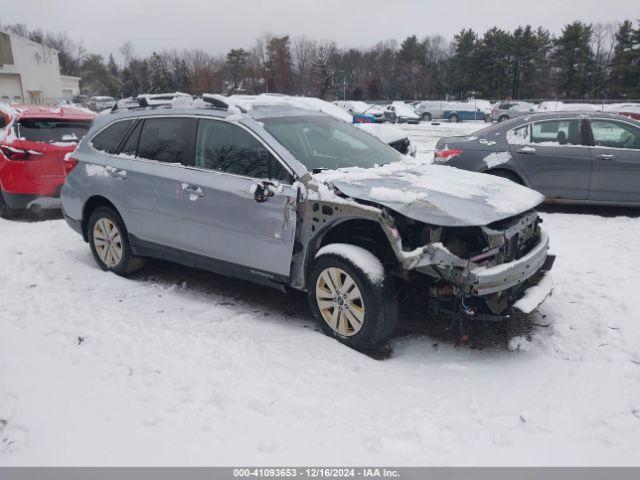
x=165, y=139
x=109, y=139
x=612, y=134
x=228, y=148
x=52, y=131
x=557, y=132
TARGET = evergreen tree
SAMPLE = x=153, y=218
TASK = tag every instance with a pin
x=279, y=65
x=573, y=59
x=625, y=76
x=236, y=66
x=463, y=63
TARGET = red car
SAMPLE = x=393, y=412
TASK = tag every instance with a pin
x=33, y=143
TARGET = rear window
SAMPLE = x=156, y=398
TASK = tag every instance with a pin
x=109, y=139
x=52, y=131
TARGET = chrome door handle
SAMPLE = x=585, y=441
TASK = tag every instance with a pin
x=193, y=191
x=527, y=150
x=606, y=156
x=116, y=172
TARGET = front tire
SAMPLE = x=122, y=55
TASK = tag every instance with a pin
x=6, y=211
x=348, y=305
x=503, y=118
x=109, y=242
x=426, y=117
x=454, y=118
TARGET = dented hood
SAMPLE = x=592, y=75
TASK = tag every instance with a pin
x=435, y=194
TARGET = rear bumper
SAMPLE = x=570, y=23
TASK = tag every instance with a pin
x=21, y=201
x=75, y=225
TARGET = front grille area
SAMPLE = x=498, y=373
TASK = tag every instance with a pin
x=521, y=233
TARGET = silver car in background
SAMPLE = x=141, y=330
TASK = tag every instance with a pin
x=505, y=110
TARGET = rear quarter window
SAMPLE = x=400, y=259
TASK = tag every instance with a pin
x=109, y=139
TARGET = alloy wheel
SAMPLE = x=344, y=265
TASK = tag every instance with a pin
x=108, y=242
x=340, y=302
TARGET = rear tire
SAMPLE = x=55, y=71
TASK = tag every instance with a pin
x=109, y=242
x=6, y=211
x=508, y=175
x=502, y=118
x=368, y=310
x=454, y=118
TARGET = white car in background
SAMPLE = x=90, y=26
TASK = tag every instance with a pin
x=400, y=112
x=507, y=109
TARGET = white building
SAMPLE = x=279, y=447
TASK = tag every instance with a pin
x=30, y=73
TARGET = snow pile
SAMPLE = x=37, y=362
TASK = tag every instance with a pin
x=383, y=194
x=363, y=259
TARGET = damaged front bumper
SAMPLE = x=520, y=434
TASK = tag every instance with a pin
x=488, y=280
x=522, y=283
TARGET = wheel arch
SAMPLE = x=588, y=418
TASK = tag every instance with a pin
x=366, y=233
x=89, y=207
x=505, y=171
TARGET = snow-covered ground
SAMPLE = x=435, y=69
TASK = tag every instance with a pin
x=181, y=367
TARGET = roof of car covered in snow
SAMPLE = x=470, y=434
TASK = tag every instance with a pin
x=257, y=113
x=531, y=117
x=61, y=113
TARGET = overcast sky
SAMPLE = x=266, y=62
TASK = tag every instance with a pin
x=216, y=26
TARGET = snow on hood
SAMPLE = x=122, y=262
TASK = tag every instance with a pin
x=386, y=133
x=404, y=110
x=435, y=194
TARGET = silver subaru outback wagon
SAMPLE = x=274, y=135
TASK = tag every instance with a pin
x=293, y=198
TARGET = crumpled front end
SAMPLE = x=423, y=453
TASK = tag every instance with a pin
x=490, y=268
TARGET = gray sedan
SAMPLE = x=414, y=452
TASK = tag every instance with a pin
x=570, y=157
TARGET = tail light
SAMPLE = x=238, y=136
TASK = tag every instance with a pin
x=69, y=164
x=446, y=154
x=18, y=153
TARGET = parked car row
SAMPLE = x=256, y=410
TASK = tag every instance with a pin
x=287, y=192
x=453, y=111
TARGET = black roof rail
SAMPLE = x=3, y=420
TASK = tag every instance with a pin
x=218, y=101
x=142, y=102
